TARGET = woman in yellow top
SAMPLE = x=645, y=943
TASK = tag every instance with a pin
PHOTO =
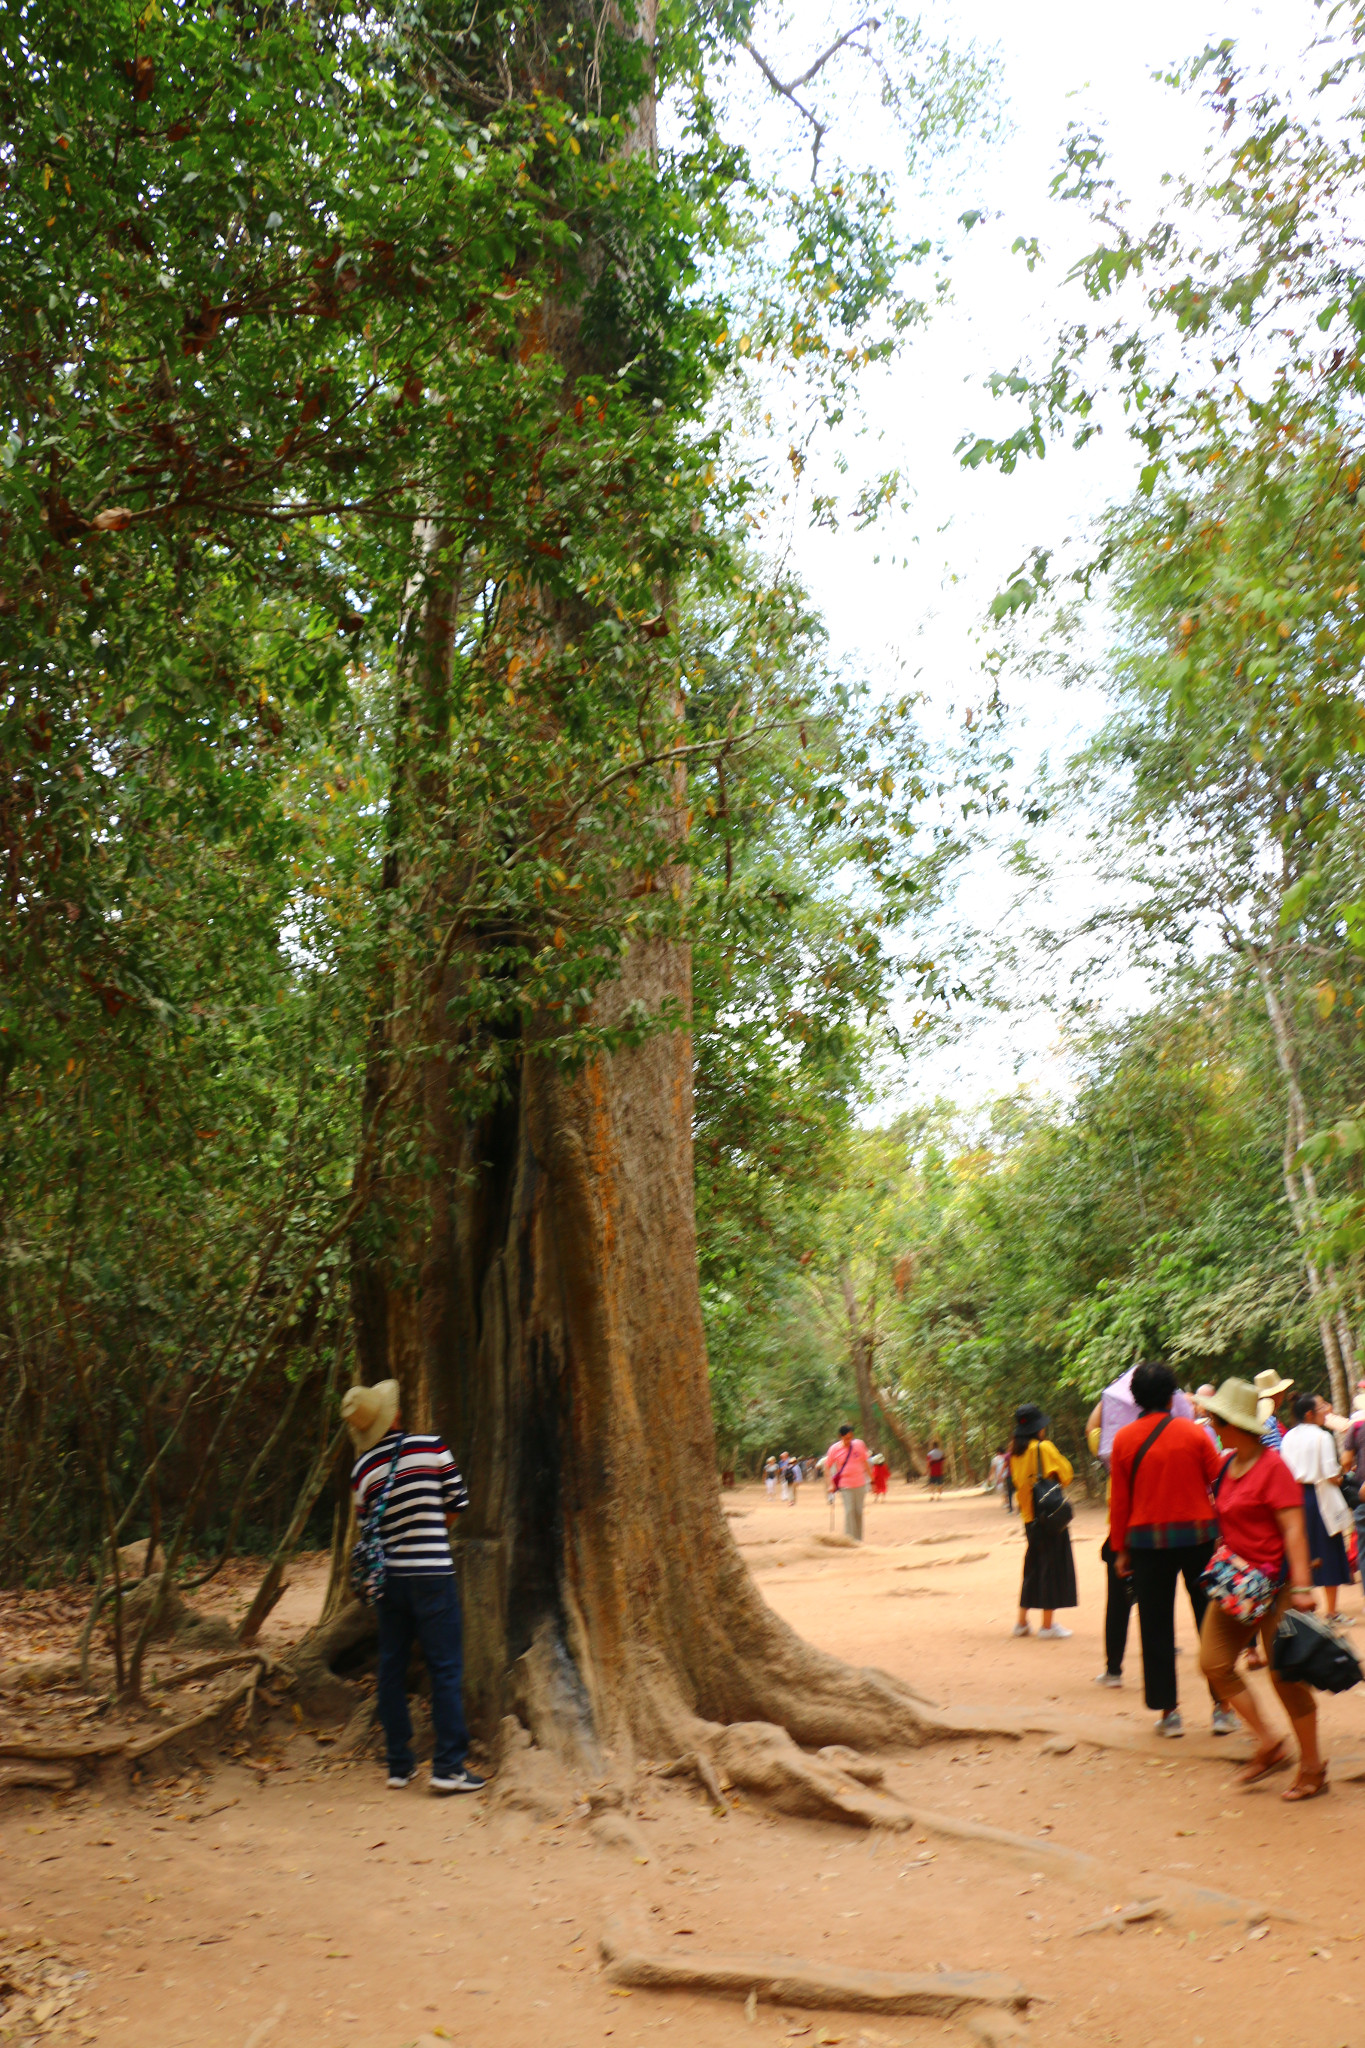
x=1049, y=1568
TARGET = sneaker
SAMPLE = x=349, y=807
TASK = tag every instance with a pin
x=463, y=1780
x=398, y=1780
x=1113, y=1678
x=1056, y=1633
x=1171, y=1724
x=1224, y=1721
x=1021, y=1628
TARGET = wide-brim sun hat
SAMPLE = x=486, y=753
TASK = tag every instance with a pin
x=369, y=1412
x=1269, y=1387
x=1235, y=1402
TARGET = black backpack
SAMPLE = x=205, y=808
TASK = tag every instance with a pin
x=1051, y=1508
x=1306, y=1651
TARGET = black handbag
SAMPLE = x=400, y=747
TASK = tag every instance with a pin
x=1051, y=1508
x=1306, y=1650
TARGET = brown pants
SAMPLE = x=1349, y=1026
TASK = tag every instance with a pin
x=1222, y=1640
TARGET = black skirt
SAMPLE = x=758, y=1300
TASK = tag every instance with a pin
x=1331, y=1566
x=1049, y=1568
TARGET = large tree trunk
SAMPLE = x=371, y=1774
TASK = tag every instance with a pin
x=542, y=1311
x=556, y=1340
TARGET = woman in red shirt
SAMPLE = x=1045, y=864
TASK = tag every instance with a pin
x=1261, y=1532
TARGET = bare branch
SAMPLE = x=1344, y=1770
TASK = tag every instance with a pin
x=868, y=21
x=790, y=88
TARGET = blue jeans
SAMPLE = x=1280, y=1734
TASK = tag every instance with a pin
x=425, y=1605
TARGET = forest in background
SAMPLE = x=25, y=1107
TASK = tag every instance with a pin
x=244, y=820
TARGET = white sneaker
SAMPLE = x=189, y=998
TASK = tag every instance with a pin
x=1114, y=1678
x=1224, y=1721
x=1171, y=1723
x=1021, y=1628
x=1056, y=1633
x=397, y=1784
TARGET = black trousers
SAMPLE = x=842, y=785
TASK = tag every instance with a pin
x=1156, y=1574
x=1118, y=1606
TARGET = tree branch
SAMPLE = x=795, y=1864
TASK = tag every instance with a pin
x=789, y=89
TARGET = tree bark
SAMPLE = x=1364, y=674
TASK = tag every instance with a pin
x=1301, y=1192
x=862, y=1352
x=910, y=1447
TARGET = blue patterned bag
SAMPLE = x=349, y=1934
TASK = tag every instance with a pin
x=367, y=1554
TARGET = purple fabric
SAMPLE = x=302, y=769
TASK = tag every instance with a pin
x=1117, y=1408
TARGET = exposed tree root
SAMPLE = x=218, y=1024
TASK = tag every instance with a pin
x=1192, y=1904
x=763, y=1759
x=864, y=1768
x=311, y=1666
x=1034, y=1848
x=208, y=1669
x=790, y=1980
x=37, y=1776
x=41, y=1674
x=148, y=1744
x=696, y=1764
x=64, y=1752
x=55, y=1763
x=529, y=1779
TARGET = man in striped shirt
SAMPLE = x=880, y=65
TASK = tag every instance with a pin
x=422, y=1492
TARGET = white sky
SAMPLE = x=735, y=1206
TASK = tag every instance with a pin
x=1063, y=61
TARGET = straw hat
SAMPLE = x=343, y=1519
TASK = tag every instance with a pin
x=1269, y=1387
x=1236, y=1402
x=368, y=1412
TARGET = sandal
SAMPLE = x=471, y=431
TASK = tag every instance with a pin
x=1261, y=1765
x=1308, y=1785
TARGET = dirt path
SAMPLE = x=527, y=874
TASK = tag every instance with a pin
x=319, y=1911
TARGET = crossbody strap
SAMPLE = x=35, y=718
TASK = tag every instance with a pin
x=1143, y=1449
x=383, y=1499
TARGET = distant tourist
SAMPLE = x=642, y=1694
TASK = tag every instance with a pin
x=846, y=1473
x=1270, y=1392
x=796, y=1472
x=1201, y=1414
x=1162, y=1528
x=1000, y=1475
x=1049, y=1568
x=1310, y=1452
x=1259, y=1569
x=881, y=1473
x=1354, y=1449
x=770, y=1478
x=1118, y=1590
x=936, y=1460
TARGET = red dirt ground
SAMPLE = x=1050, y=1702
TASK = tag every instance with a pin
x=306, y=1907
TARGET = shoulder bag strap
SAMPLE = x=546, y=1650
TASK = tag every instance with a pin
x=1143, y=1449
x=383, y=1500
